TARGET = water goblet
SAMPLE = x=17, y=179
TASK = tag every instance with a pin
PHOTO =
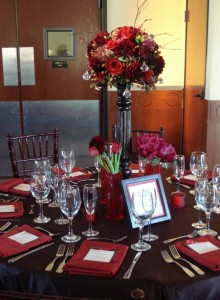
x=149, y=236
x=207, y=198
x=142, y=209
x=90, y=202
x=54, y=171
x=98, y=168
x=59, y=181
x=141, y=163
x=67, y=161
x=179, y=168
x=40, y=188
x=42, y=165
x=69, y=200
x=216, y=180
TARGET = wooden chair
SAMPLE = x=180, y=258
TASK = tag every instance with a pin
x=138, y=132
x=24, y=149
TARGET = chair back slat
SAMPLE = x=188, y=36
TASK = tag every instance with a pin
x=24, y=149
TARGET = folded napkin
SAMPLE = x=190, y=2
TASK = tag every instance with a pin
x=79, y=174
x=9, y=247
x=135, y=170
x=6, y=213
x=79, y=265
x=188, y=178
x=209, y=259
x=17, y=186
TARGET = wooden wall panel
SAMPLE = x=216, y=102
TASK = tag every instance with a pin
x=150, y=111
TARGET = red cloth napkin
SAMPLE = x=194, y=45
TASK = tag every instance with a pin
x=7, y=186
x=76, y=265
x=10, y=247
x=210, y=260
x=188, y=181
x=19, y=210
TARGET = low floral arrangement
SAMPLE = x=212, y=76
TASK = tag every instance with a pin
x=126, y=56
x=154, y=149
x=97, y=148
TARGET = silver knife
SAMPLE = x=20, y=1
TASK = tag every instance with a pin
x=7, y=195
x=127, y=275
x=13, y=259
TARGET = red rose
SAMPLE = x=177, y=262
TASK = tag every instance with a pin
x=126, y=32
x=111, y=44
x=148, y=75
x=114, y=66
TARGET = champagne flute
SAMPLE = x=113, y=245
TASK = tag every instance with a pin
x=54, y=171
x=179, y=168
x=59, y=181
x=197, y=166
x=90, y=202
x=141, y=163
x=142, y=209
x=40, y=188
x=208, y=199
x=149, y=236
x=67, y=161
x=69, y=200
x=98, y=168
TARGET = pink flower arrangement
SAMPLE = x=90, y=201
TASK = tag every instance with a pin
x=97, y=148
x=128, y=55
x=154, y=149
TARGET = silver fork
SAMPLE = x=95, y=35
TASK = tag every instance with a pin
x=176, y=255
x=60, y=253
x=108, y=239
x=47, y=231
x=169, y=260
x=5, y=226
x=69, y=252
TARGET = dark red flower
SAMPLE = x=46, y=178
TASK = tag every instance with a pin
x=114, y=66
x=98, y=142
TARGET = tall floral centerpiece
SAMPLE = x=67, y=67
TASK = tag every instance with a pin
x=153, y=150
x=110, y=176
x=127, y=56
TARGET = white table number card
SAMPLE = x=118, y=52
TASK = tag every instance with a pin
x=23, y=237
x=99, y=255
x=7, y=208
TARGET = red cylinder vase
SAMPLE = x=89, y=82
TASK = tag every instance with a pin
x=150, y=169
x=112, y=196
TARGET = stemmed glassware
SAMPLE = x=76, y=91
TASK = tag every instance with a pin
x=67, y=161
x=216, y=181
x=179, y=168
x=198, y=167
x=54, y=171
x=141, y=163
x=69, y=200
x=40, y=188
x=59, y=181
x=90, y=202
x=207, y=197
x=142, y=209
x=98, y=168
x=149, y=236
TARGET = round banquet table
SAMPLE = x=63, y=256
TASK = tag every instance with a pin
x=152, y=274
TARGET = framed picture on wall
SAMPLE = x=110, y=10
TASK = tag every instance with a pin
x=152, y=183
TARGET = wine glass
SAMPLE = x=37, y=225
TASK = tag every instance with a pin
x=90, y=202
x=179, y=168
x=198, y=167
x=42, y=165
x=59, y=181
x=141, y=163
x=149, y=236
x=67, y=161
x=142, y=209
x=98, y=168
x=69, y=200
x=54, y=171
x=207, y=198
x=40, y=188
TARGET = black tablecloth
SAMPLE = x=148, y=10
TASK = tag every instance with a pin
x=152, y=274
